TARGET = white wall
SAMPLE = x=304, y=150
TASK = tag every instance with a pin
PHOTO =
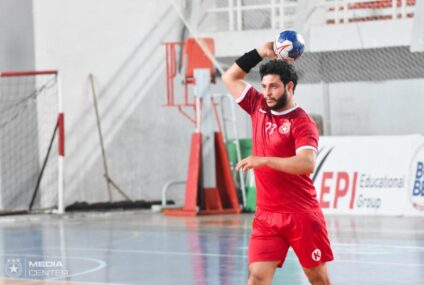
x=367, y=108
x=16, y=35
x=18, y=155
x=320, y=38
x=360, y=35
x=119, y=42
x=358, y=108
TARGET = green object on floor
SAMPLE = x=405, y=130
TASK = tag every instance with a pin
x=245, y=151
x=251, y=198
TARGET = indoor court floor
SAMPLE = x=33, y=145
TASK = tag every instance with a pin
x=142, y=247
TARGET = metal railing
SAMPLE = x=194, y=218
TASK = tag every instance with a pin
x=242, y=15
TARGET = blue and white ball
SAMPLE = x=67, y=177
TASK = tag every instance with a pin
x=289, y=45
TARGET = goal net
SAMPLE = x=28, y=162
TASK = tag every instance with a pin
x=31, y=142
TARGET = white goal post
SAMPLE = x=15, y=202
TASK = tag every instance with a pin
x=31, y=142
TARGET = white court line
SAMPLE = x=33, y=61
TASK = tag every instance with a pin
x=132, y=236
x=334, y=244
x=157, y=252
x=377, y=245
x=379, y=263
x=204, y=226
x=369, y=245
x=377, y=231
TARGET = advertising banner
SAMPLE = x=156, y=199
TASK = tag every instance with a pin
x=371, y=175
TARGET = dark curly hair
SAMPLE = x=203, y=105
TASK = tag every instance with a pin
x=285, y=70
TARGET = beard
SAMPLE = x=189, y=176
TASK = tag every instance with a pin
x=280, y=102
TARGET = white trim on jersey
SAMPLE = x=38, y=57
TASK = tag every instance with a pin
x=243, y=94
x=286, y=111
x=306, y=147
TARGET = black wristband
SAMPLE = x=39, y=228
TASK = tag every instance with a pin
x=249, y=60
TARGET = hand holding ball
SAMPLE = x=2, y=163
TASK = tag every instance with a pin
x=289, y=45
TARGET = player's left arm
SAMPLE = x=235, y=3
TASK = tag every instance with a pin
x=303, y=163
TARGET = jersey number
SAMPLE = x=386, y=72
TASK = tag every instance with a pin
x=270, y=127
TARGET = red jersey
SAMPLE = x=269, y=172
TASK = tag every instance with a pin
x=280, y=134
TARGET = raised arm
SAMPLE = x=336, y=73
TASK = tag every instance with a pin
x=234, y=77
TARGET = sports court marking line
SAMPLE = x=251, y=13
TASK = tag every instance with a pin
x=377, y=263
x=202, y=226
x=345, y=245
x=158, y=252
x=379, y=231
x=132, y=236
x=376, y=245
x=369, y=245
x=229, y=255
x=102, y=264
x=11, y=281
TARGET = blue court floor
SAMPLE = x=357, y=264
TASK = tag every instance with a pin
x=141, y=247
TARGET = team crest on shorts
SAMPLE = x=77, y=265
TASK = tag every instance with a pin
x=316, y=255
x=284, y=128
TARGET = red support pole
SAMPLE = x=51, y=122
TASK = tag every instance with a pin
x=61, y=129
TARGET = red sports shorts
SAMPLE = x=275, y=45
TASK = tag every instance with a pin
x=273, y=234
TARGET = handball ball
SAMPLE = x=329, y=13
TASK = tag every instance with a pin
x=289, y=45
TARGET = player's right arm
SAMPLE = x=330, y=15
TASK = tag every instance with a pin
x=234, y=77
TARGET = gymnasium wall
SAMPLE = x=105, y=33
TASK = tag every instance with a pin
x=119, y=42
x=16, y=35
x=352, y=75
x=17, y=53
x=147, y=145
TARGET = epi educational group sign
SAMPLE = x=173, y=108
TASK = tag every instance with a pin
x=371, y=175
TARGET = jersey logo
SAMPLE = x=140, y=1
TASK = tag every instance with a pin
x=284, y=128
x=316, y=255
x=262, y=111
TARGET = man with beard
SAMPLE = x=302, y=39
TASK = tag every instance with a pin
x=285, y=142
